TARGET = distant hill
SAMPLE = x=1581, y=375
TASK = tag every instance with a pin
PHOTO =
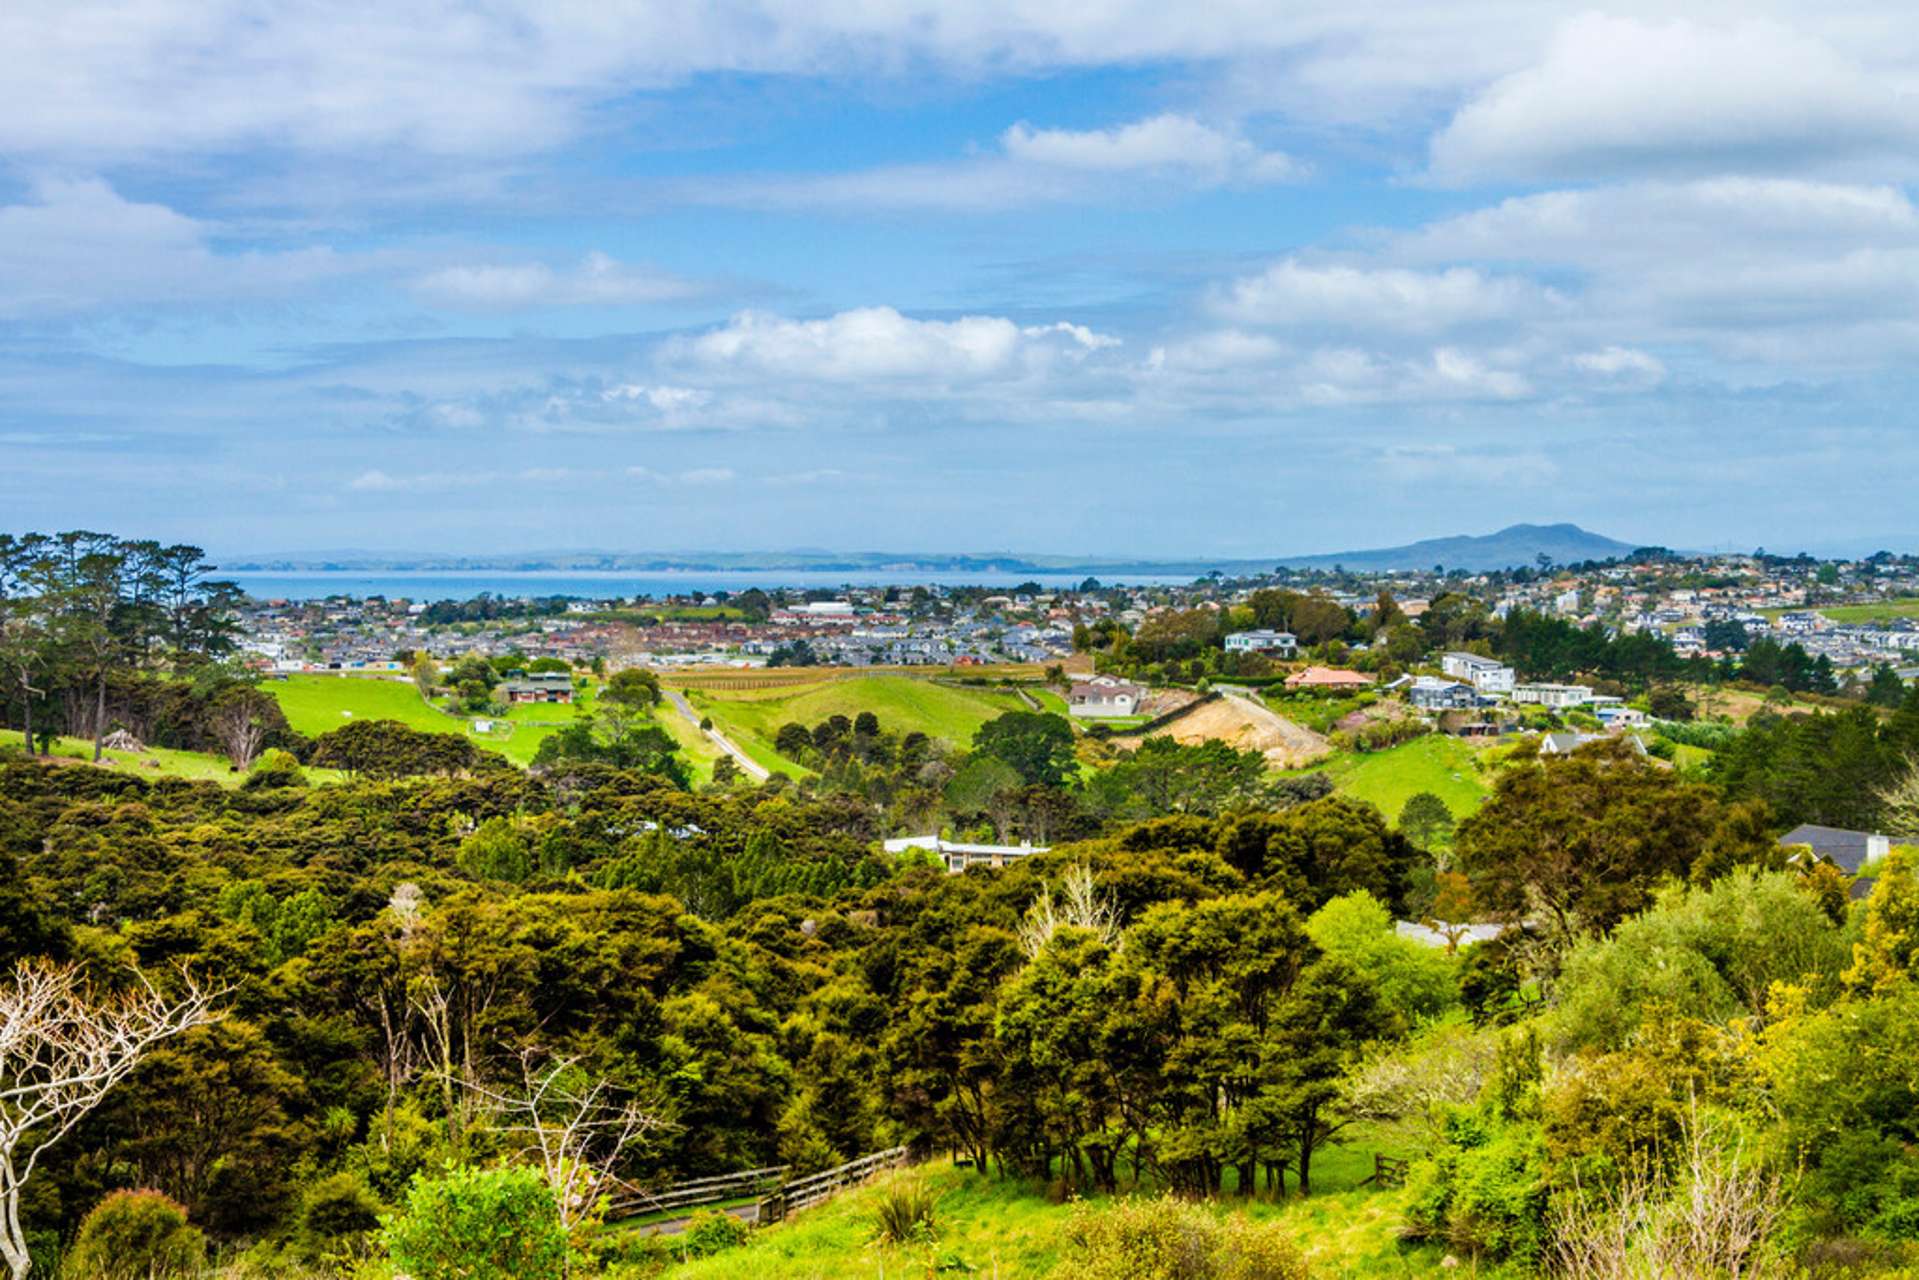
x=1518, y=544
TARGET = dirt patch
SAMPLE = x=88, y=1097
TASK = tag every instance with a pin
x=1244, y=725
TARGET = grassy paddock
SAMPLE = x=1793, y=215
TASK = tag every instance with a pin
x=752, y=717
x=1438, y=763
x=990, y=1227
x=195, y=766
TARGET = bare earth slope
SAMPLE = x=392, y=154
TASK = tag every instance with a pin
x=1245, y=725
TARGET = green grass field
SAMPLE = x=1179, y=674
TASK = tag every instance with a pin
x=1883, y=611
x=1437, y=763
x=752, y=717
x=316, y=704
x=195, y=766
x=987, y=1227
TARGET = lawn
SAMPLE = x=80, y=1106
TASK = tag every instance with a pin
x=316, y=704
x=1437, y=763
x=988, y=1227
x=904, y=704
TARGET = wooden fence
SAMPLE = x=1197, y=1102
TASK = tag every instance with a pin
x=635, y=1201
x=1388, y=1171
x=804, y=1193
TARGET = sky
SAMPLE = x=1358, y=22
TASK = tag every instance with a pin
x=1108, y=277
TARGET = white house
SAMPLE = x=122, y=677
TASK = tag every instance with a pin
x=1283, y=643
x=1553, y=695
x=1105, y=696
x=958, y=857
x=1488, y=675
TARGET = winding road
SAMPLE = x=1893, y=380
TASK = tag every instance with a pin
x=748, y=765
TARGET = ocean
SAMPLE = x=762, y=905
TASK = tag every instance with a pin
x=429, y=586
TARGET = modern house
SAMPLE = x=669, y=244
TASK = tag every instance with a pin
x=958, y=857
x=1555, y=696
x=1281, y=643
x=1105, y=696
x=1847, y=850
x=1430, y=693
x=1488, y=675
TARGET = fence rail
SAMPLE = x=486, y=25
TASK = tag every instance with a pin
x=804, y=1193
x=697, y=1192
x=1388, y=1171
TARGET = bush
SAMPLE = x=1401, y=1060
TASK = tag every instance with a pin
x=905, y=1213
x=136, y=1235
x=276, y=768
x=712, y=1231
x=338, y=1208
x=1171, y=1239
x=478, y=1224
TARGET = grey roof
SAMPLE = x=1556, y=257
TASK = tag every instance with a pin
x=1847, y=850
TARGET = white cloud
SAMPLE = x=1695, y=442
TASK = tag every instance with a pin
x=879, y=344
x=377, y=481
x=1162, y=153
x=1622, y=363
x=1296, y=295
x=1169, y=144
x=693, y=478
x=76, y=244
x=598, y=281
x=1618, y=95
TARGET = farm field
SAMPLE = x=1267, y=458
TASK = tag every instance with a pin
x=1437, y=763
x=904, y=704
x=987, y=1226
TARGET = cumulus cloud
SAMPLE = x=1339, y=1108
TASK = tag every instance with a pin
x=597, y=281
x=1173, y=144
x=1298, y=295
x=880, y=344
x=1616, y=95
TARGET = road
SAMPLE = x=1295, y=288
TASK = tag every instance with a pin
x=748, y=765
x=749, y=1213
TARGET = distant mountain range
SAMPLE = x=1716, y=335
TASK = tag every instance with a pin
x=1519, y=544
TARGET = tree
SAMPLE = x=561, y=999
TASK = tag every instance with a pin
x=1583, y=840
x=137, y=1235
x=633, y=688
x=1037, y=745
x=63, y=1049
x=240, y=718
x=576, y=1125
x=1886, y=688
x=1426, y=821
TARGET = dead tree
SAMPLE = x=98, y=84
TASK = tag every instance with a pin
x=576, y=1125
x=239, y=719
x=63, y=1047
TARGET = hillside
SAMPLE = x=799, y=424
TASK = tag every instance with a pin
x=904, y=704
x=1519, y=544
x=1245, y=725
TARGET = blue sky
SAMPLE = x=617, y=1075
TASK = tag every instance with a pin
x=1107, y=277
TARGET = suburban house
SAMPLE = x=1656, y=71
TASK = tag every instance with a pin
x=1553, y=695
x=1282, y=643
x=1105, y=696
x=1430, y=693
x=541, y=686
x=1488, y=675
x=1847, y=850
x=1331, y=679
x=958, y=857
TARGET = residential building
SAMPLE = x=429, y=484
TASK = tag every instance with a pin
x=1105, y=696
x=1555, y=696
x=1847, y=850
x=1329, y=679
x=1282, y=643
x=959, y=857
x=1488, y=675
x=1430, y=693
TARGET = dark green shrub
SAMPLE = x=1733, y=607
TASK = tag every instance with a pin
x=136, y=1235
x=712, y=1231
x=338, y=1208
x=478, y=1224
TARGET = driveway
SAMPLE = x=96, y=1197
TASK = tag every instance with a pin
x=748, y=765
